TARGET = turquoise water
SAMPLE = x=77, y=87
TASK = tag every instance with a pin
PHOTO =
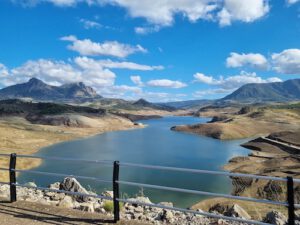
x=157, y=145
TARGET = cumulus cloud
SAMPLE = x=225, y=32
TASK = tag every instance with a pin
x=287, y=61
x=254, y=60
x=163, y=12
x=237, y=10
x=166, y=83
x=137, y=80
x=290, y=2
x=200, y=77
x=108, y=48
x=89, y=24
x=94, y=73
x=60, y=72
x=233, y=82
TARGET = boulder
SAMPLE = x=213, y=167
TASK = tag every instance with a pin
x=108, y=194
x=55, y=186
x=141, y=200
x=138, y=209
x=167, y=216
x=71, y=184
x=67, y=202
x=237, y=211
x=168, y=204
x=87, y=207
x=276, y=218
x=31, y=184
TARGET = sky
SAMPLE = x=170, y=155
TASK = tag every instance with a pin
x=160, y=50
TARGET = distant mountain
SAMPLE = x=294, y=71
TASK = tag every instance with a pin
x=277, y=91
x=189, y=104
x=144, y=103
x=38, y=90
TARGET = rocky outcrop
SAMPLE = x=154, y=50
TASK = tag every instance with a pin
x=128, y=211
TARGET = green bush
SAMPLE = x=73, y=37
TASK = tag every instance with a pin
x=109, y=206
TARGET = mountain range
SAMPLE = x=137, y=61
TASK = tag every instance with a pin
x=274, y=92
x=254, y=93
x=38, y=90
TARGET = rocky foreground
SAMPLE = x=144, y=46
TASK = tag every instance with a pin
x=129, y=211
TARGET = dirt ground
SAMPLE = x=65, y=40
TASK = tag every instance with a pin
x=26, y=213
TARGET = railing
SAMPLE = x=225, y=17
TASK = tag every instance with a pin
x=289, y=203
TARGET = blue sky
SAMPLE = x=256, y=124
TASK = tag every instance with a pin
x=158, y=50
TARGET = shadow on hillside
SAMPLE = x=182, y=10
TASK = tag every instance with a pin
x=49, y=215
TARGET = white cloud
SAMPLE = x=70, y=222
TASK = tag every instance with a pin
x=290, y=2
x=60, y=3
x=127, y=65
x=89, y=24
x=59, y=72
x=147, y=30
x=163, y=12
x=137, y=80
x=245, y=11
x=166, y=83
x=287, y=61
x=94, y=73
x=233, y=82
x=200, y=77
x=120, y=91
x=208, y=92
x=3, y=70
x=108, y=48
x=254, y=60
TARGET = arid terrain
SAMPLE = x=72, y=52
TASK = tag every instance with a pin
x=236, y=122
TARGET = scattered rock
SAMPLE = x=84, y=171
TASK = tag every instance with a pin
x=276, y=218
x=133, y=211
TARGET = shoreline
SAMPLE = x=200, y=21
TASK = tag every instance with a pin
x=21, y=137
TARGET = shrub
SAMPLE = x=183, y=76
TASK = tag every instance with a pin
x=109, y=206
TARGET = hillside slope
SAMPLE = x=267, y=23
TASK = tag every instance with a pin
x=277, y=91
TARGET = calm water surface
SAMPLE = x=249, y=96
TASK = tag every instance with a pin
x=156, y=144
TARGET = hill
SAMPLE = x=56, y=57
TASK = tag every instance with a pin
x=38, y=90
x=145, y=104
x=189, y=104
x=277, y=91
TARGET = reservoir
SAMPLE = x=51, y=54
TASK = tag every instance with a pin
x=155, y=144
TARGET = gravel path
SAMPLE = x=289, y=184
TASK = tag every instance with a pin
x=27, y=213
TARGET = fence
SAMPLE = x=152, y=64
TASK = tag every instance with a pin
x=289, y=203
